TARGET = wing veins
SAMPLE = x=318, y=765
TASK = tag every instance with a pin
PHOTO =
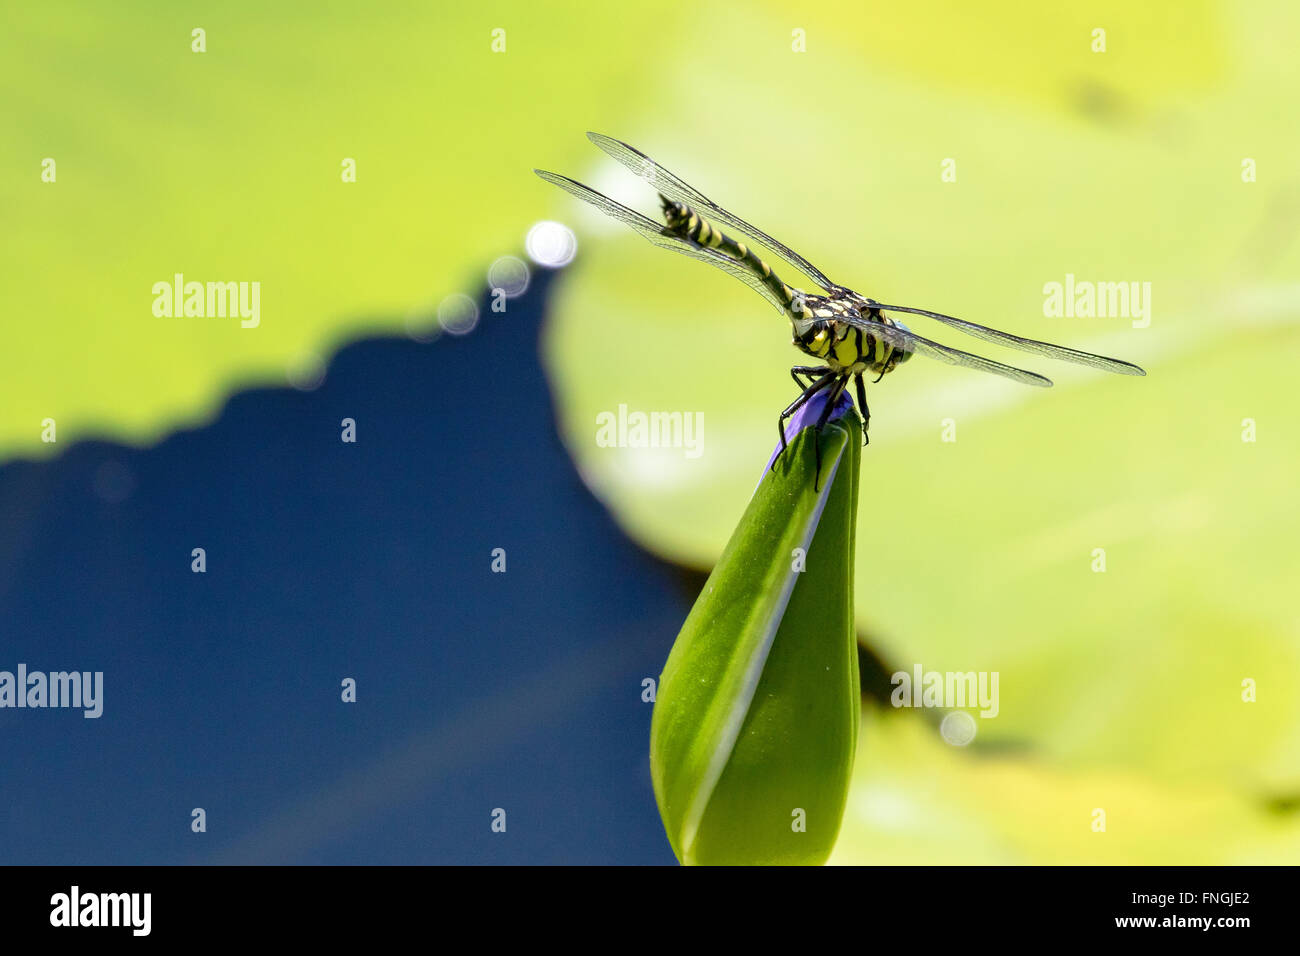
x=657, y=235
x=1062, y=352
x=674, y=187
x=910, y=341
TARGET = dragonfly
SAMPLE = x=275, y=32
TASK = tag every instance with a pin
x=850, y=334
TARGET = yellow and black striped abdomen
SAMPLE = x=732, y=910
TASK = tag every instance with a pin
x=686, y=222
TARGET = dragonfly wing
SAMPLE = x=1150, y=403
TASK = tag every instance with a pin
x=676, y=188
x=909, y=341
x=1023, y=344
x=656, y=234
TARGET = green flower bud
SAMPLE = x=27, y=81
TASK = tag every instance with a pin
x=756, y=716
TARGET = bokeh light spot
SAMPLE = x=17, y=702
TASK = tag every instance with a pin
x=551, y=244
x=509, y=274
x=458, y=314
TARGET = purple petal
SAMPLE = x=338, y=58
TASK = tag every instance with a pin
x=808, y=415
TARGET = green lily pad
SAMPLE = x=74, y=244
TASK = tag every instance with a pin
x=916, y=800
x=227, y=165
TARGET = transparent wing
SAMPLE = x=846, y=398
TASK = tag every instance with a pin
x=1023, y=344
x=656, y=234
x=911, y=342
x=678, y=189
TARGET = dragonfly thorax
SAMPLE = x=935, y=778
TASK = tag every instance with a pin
x=831, y=329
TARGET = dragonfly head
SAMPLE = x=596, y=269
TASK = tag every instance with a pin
x=899, y=356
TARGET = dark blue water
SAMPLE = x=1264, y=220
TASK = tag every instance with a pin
x=326, y=561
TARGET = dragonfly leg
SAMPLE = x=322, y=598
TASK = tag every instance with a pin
x=862, y=407
x=810, y=372
x=822, y=419
x=797, y=404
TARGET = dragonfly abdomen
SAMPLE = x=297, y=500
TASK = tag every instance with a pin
x=685, y=221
